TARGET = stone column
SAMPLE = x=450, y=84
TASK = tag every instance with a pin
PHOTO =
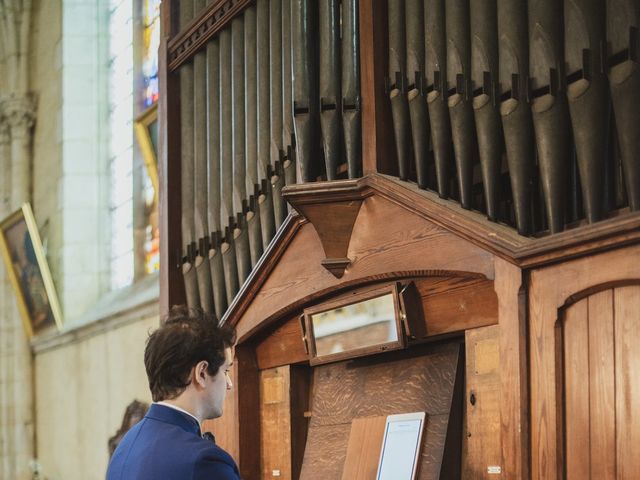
x=16, y=371
x=5, y=167
x=5, y=196
x=20, y=115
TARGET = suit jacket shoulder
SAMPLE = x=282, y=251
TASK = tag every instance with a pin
x=167, y=445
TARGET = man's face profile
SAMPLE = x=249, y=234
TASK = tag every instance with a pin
x=217, y=386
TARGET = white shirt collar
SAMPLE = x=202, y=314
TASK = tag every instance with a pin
x=166, y=404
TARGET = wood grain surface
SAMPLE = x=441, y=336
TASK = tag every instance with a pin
x=387, y=242
x=482, y=445
x=554, y=292
x=514, y=410
x=370, y=387
x=363, y=448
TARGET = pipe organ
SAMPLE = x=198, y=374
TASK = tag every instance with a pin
x=454, y=152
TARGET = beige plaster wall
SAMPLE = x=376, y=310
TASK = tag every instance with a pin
x=82, y=390
x=45, y=77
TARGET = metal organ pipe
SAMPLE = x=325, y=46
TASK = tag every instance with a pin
x=459, y=94
x=416, y=90
x=398, y=85
x=549, y=105
x=330, y=95
x=485, y=80
x=436, y=77
x=351, y=116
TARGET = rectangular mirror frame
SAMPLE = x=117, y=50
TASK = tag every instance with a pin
x=350, y=298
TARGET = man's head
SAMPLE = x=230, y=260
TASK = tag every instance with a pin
x=188, y=359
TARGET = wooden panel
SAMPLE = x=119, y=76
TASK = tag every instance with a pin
x=282, y=347
x=275, y=419
x=363, y=449
x=325, y=452
x=284, y=398
x=601, y=386
x=627, y=360
x=482, y=439
x=576, y=371
x=169, y=210
x=300, y=394
x=514, y=408
x=405, y=247
x=369, y=387
x=550, y=289
x=376, y=149
x=453, y=304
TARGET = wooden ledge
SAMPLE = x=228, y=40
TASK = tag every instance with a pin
x=504, y=241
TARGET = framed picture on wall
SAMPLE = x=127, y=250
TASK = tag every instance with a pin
x=146, y=129
x=28, y=272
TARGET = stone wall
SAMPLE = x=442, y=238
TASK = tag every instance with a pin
x=83, y=387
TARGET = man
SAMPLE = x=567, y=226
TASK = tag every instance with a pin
x=187, y=361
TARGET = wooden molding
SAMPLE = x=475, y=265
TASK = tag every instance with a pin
x=504, y=241
x=336, y=266
x=399, y=232
x=169, y=166
x=201, y=29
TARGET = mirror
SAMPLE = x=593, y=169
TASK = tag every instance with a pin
x=360, y=323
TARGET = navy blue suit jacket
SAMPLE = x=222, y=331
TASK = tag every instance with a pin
x=166, y=445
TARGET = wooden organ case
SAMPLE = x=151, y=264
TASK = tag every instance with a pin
x=486, y=154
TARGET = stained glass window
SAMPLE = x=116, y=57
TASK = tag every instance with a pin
x=134, y=29
x=151, y=41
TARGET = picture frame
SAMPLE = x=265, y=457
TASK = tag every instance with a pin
x=28, y=272
x=146, y=130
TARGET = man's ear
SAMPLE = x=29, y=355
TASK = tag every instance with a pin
x=200, y=373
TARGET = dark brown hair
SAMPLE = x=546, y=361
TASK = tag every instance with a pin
x=186, y=337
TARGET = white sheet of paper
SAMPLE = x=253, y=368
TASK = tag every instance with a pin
x=400, y=447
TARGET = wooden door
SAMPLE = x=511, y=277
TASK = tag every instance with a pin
x=584, y=328
x=601, y=365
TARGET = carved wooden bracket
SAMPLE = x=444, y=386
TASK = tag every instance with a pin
x=332, y=209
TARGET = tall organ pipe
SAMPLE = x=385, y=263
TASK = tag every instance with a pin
x=276, y=119
x=226, y=168
x=330, y=108
x=201, y=182
x=213, y=156
x=398, y=85
x=187, y=186
x=623, y=24
x=240, y=233
x=436, y=76
x=251, y=134
x=265, y=199
x=549, y=105
x=459, y=94
x=304, y=18
x=288, y=137
x=351, y=117
x=587, y=92
x=514, y=107
x=414, y=21
x=484, y=76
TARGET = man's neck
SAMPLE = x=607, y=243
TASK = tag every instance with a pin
x=180, y=406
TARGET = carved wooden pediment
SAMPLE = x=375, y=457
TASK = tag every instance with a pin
x=349, y=233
